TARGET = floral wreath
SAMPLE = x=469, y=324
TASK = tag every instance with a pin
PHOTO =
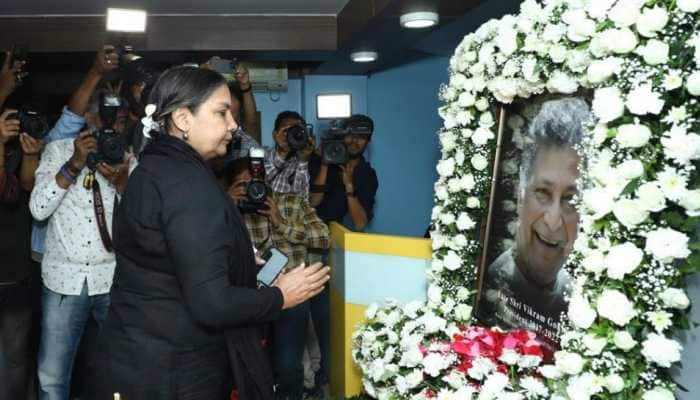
x=633, y=252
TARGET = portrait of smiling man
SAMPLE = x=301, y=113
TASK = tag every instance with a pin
x=526, y=285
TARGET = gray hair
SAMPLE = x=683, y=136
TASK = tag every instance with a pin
x=559, y=123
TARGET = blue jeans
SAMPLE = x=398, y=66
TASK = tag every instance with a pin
x=288, y=341
x=63, y=320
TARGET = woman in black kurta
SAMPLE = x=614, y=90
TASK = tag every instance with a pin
x=185, y=308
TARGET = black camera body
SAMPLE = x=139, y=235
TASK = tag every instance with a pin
x=256, y=190
x=125, y=55
x=33, y=123
x=298, y=136
x=110, y=143
x=223, y=65
x=333, y=147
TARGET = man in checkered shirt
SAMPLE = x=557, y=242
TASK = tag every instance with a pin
x=291, y=225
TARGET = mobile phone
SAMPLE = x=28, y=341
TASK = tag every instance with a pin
x=275, y=261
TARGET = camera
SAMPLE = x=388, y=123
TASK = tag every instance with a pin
x=33, y=123
x=19, y=54
x=298, y=136
x=110, y=144
x=222, y=65
x=256, y=190
x=333, y=147
x=125, y=55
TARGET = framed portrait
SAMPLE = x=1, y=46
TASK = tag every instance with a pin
x=532, y=220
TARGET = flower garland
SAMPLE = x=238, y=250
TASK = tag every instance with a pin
x=641, y=60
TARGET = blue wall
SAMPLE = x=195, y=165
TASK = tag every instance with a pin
x=403, y=103
x=404, y=151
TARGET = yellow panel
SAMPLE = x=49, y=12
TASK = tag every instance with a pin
x=346, y=380
x=402, y=246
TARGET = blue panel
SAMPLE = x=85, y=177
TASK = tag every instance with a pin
x=374, y=278
x=272, y=103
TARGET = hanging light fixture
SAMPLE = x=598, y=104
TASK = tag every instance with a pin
x=364, y=56
x=419, y=19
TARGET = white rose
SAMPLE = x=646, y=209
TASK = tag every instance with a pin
x=452, y=261
x=660, y=350
x=675, y=298
x=632, y=135
x=550, y=372
x=560, y=82
x=577, y=60
x=693, y=83
x=615, y=306
x=643, y=100
x=599, y=201
x=608, y=104
x=467, y=182
x=482, y=104
x=446, y=168
x=594, y=344
x=659, y=393
x=503, y=89
x=448, y=140
x=447, y=218
x=479, y=162
x=493, y=385
x=466, y=99
x=601, y=70
x=629, y=213
x=631, y=169
x=594, y=262
x=463, y=312
x=464, y=222
x=691, y=202
x=534, y=387
x=666, y=244
x=580, y=312
x=623, y=259
x=580, y=28
x=441, y=192
x=623, y=340
x=689, y=6
x=673, y=80
x=622, y=41
x=460, y=241
x=435, y=294
x=557, y=53
x=568, y=363
x=614, y=383
x=473, y=202
x=482, y=135
x=651, y=21
x=655, y=52
x=507, y=41
x=434, y=363
x=626, y=12
x=459, y=157
x=650, y=197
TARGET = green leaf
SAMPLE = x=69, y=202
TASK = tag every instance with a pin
x=632, y=186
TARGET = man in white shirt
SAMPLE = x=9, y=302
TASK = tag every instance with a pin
x=78, y=265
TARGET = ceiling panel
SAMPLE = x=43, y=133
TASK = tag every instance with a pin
x=92, y=7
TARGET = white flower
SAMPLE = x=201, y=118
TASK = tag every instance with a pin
x=614, y=305
x=509, y=356
x=665, y=244
x=642, y=100
x=482, y=104
x=632, y=135
x=582, y=387
x=568, y=363
x=680, y=146
x=432, y=323
x=550, y=372
x=577, y=60
x=675, y=298
x=580, y=312
x=593, y=262
x=481, y=367
x=631, y=169
x=673, y=80
x=650, y=197
x=534, y=387
x=369, y=388
x=463, y=293
x=557, y=53
x=660, y=350
x=460, y=241
x=452, y=261
x=693, y=83
x=479, y=162
x=672, y=184
x=464, y=222
x=448, y=140
x=560, y=82
x=411, y=308
x=659, y=393
x=446, y=167
x=463, y=312
x=608, y=104
x=651, y=21
x=623, y=340
x=435, y=294
x=447, y=218
x=507, y=41
x=629, y=213
x=530, y=71
x=486, y=120
x=689, y=6
x=580, y=27
x=599, y=201
x=473, y=202
x=625, y=12
x=601, y=70
x=655, y=52
x=614, y=383
x=660, y=320
x=409, y=381
x=494, y=384
x=623, y=259
x=467, y=182
x=441, y=192
x=599, y=8
x=371, y=311
x=455, y=379
x=482, y=135
x=503, y=89
x=466, y=99
x=434, y=363
x=690, y=200
x=594, y=345
x=621, y=41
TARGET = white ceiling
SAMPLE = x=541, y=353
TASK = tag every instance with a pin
x=98, y=7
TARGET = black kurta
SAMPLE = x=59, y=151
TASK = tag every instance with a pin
x=184, y=285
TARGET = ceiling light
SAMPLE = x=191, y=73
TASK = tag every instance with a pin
x=421, y=19
x=126, y=20
x=364, y=56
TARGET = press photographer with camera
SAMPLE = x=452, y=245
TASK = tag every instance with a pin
x=77, y=181
x=286, y=222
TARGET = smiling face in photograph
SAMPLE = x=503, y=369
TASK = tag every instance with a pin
x=547, y=218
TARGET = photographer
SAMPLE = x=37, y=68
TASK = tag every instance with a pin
x=76, y=186
x=289, y=224
x=19, y=154
x=286, y=167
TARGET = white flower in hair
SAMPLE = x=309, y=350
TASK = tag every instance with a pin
x=148, y=123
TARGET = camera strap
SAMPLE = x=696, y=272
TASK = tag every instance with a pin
x=100, y=215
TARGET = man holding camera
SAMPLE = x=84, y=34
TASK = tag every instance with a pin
x=76, y=186
x=287, y=222
x=287, y=164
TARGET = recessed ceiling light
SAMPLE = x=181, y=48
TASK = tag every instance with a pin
x=126, y=20
x=364, y=56
x=421, y=19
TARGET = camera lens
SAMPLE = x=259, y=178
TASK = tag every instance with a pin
x=257, y=191
x=335, y=152
x=297, y=137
